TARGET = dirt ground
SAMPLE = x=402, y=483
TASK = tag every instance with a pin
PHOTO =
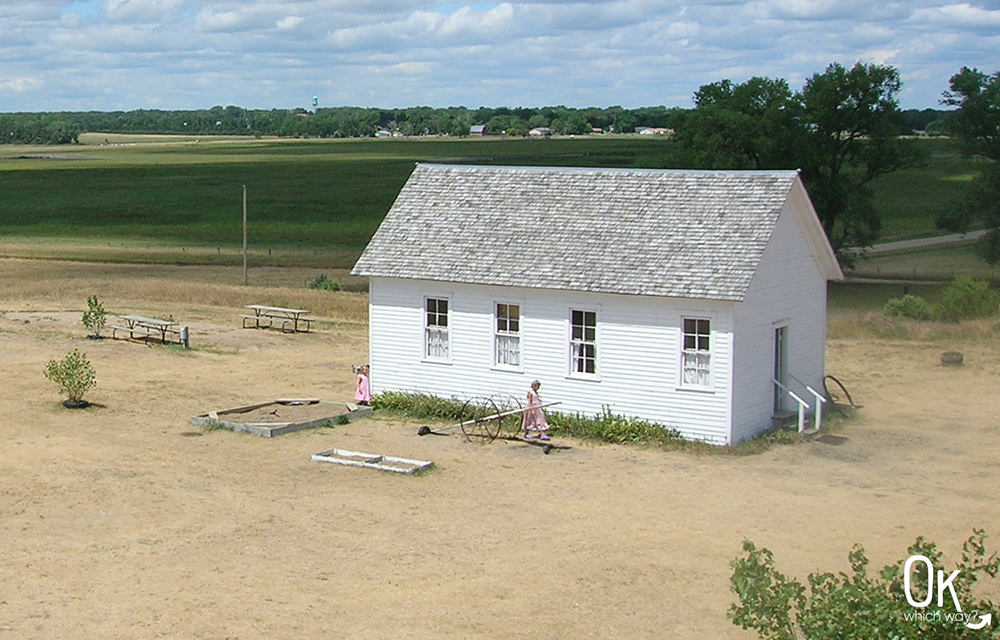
x=125, y=521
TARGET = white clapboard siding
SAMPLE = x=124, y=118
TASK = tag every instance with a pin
x=789, y=289
x=638, y=351
x=644, y=249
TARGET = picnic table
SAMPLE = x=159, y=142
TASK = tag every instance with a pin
x=264, y=316
x=146, y=328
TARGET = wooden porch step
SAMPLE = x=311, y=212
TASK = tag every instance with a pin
x=782, y=419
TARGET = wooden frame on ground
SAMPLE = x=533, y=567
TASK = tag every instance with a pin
x=263, y=418
x=372, y=461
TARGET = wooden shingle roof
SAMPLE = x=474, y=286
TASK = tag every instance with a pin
x=682, y=234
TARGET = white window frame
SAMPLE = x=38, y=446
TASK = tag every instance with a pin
x=437, y=337
x=696, y=353
x=506, y=340
x=574, y=343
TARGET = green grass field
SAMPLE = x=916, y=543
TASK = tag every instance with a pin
x=311, y=202
x=870, y=296
x=936, y=263
x=307, y=199
x=908, y=200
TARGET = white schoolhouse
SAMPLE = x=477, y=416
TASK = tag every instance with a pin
x=673, y=296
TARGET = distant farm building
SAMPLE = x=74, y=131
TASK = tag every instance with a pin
x=478, y=130
x=693, y=299
x=654, y=131
x=540, y=132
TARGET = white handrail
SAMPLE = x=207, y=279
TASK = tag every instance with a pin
x=820, y=401
x=803, y=405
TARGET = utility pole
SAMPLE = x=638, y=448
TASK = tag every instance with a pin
x=245, y=279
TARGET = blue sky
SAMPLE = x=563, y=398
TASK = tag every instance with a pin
x=106, y=55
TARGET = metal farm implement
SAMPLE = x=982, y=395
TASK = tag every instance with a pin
x=483, y=420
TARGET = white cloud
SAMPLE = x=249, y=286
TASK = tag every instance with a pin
x=959, y=15
x=18, y=85
x=387, y=35
x=682, y=30
x=119, y=41
x=880, y=56
x=65, y=54
x=490, y=24
x=401, y=69
x=289, y=22
x=142, y=11
x=29, y=10
x=870, y=32
x=211, y=20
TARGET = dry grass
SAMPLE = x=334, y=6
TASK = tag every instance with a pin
x=122, y=521
x=173, y=286
x=945, y=262
x=874, y=325
x=128, y=251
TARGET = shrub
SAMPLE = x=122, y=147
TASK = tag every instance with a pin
x=95, y=317
x=419, y=405
x=608, y=427
x=967, y=298
x=324, y=283
x=74, y=375
x=605, y=427
x=859, y=605
x=909, y=306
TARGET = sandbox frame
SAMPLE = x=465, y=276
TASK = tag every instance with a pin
x=339, y=413
x=394, y=464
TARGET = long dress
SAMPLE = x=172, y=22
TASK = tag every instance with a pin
x=364, y=393
x=534, y=417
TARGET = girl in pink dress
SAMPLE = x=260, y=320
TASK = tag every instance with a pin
x=534, y=417
x=363, y=394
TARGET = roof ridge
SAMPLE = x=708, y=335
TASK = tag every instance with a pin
x=571, y=169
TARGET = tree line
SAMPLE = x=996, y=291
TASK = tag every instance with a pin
x=357, y=122
x=331, y=122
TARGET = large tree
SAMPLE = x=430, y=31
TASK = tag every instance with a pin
x=740, y=126
x=838, y=130
x=975, y=126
